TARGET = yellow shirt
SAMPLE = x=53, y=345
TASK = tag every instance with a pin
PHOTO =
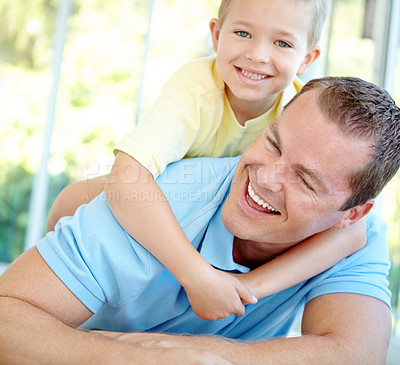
x=192, y=117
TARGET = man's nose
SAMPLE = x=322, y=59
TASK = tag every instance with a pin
x=271, y=177
x=258, y=52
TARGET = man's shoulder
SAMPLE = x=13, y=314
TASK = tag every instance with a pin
x=199, y=171
x=365, y=272
x=195, y=185
x=375, y=222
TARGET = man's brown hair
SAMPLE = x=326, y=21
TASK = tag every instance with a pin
x=365, y=111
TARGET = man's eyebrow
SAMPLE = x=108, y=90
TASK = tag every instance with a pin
x=313, y=176
x=274, y=129
x=275, y=132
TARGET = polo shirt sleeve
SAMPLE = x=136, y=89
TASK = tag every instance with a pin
x=96, y=259
x=101, y=263
x=364, y=272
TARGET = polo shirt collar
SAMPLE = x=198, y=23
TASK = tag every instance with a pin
x=217, y=245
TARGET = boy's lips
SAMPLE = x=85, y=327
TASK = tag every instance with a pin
x=260, y=204
x=253, y=75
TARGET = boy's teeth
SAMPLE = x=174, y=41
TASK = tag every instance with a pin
x=253, y=76
x=258, y=200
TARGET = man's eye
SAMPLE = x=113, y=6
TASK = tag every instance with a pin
x=282, y=44
x=243, y=34
x=273, y=144
x=306, y=184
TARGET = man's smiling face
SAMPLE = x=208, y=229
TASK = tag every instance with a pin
x=292, y=180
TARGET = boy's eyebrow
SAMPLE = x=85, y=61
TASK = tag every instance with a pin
x=287, y=35
x=274, y=128
x=278, y=32
x=242, y=22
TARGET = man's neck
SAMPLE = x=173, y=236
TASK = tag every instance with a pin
x=252, y=254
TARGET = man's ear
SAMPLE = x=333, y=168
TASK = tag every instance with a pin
x=308, y=60
x=214, y=29
x=355, y=214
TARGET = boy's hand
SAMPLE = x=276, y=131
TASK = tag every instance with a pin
x=215, y=294
x=245, y=279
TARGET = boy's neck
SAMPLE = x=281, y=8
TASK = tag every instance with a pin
x=245, y=110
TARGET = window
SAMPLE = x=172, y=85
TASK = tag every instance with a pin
x=113, y=69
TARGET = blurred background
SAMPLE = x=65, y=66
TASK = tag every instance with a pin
x=75, y=75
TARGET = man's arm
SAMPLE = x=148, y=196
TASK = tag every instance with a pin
x=39, y=316
x=72, y=197
x=337, y=329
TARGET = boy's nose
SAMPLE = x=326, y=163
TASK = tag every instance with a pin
x=258, y=53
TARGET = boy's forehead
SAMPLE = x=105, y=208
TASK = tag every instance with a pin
x=246, y=12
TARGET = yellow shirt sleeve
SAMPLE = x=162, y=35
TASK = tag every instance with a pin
x=181, y=115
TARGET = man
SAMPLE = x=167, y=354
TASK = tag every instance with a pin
x=319, y=165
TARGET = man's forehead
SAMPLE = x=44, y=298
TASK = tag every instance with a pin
x=307, y=167
x=299, y=100
x=315, y=145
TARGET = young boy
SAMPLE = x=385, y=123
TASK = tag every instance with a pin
x=216, y=107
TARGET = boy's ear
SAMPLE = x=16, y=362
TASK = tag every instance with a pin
x=214, y=33
x=308, y=60
x=355, y=214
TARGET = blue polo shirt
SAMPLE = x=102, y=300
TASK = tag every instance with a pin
x=128, y=289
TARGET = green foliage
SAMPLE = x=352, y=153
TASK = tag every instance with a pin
x=391, y=208
x=15, y=190
x=26, y=28
x=14, y=199
x=80, y=95
x=101, y=71
x=350, y=54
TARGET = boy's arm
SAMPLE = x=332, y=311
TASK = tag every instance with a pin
x=305, y=260
x=39, y=316
x=72, y=197
x=141, y=208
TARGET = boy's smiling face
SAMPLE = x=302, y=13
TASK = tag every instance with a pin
x=260, y=47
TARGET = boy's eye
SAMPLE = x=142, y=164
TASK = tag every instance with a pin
x=282, y=44
x=243, y=34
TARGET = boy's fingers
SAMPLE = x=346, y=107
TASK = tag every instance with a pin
x=246, y=295
x=240, y=311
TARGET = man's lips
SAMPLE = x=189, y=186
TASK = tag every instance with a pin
x=260, y=204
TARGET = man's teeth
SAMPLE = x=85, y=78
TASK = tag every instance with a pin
x=253, y=76
x=258, y=200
